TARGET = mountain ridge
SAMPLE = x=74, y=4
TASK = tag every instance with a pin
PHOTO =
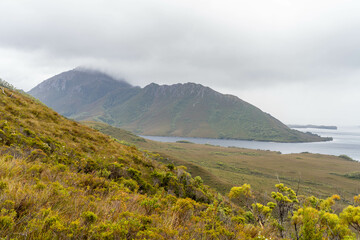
x=183, y=109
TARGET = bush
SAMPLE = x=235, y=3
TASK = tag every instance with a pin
x=346, y=157
x=89, y=217
x=354, y=175
x=134, y=174
x=170, y=166
x=3, y=186
x=37, y=154
x=130, y=184
x=6, y=222
x=150, y=205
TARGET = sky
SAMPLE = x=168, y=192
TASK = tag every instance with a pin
x=297, y=60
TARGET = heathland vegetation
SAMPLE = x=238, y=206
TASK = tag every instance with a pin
x=62, y=180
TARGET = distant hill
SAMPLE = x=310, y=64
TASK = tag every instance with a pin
x=189, y=109
x=312, y=126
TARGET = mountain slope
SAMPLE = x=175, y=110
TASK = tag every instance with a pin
x=63, y=180
x=188, y=109
x=196, y=111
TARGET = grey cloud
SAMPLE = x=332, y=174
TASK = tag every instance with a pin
x=172, y=42
x=223, y=44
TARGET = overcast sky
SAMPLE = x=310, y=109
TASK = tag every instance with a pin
x=297, y=60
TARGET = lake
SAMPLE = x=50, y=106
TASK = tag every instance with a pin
x=346, y=141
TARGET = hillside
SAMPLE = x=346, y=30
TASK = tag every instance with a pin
x=188, y=109
x=62, y=180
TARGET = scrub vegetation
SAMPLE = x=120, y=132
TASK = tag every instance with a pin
x=62, y=180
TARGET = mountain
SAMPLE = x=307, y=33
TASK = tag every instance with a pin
x=189, y=110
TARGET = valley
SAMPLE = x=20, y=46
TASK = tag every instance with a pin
x=224, y=167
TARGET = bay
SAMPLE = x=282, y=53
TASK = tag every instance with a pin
x=346, y=141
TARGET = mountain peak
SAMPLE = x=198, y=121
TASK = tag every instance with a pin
x=79, y=76
x=76, y=88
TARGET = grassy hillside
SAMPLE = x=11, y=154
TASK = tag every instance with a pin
x=62, y=180
x=222, y=168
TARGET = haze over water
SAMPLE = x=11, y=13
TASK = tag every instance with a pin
x=346, y=141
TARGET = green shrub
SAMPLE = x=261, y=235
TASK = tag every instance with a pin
x=6, y=222
x=354, y=175
x=198, y=181
x=89, y=217
x=3, y=186
x=346, y=157
x=104, y=173
x=150, y=205
x=8, y=157
x=91, y=166
x=36, y=154
x=171, y=166
x=238, y=219
x=61, y=167
x=133, y=173
x=130, y=184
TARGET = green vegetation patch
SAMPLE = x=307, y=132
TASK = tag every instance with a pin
x=346, y=157
x=229, y=153
x=353, y=175
x=184, y=141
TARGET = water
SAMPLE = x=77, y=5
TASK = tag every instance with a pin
x=346, y=140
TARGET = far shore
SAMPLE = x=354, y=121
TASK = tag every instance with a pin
x=312, y=126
